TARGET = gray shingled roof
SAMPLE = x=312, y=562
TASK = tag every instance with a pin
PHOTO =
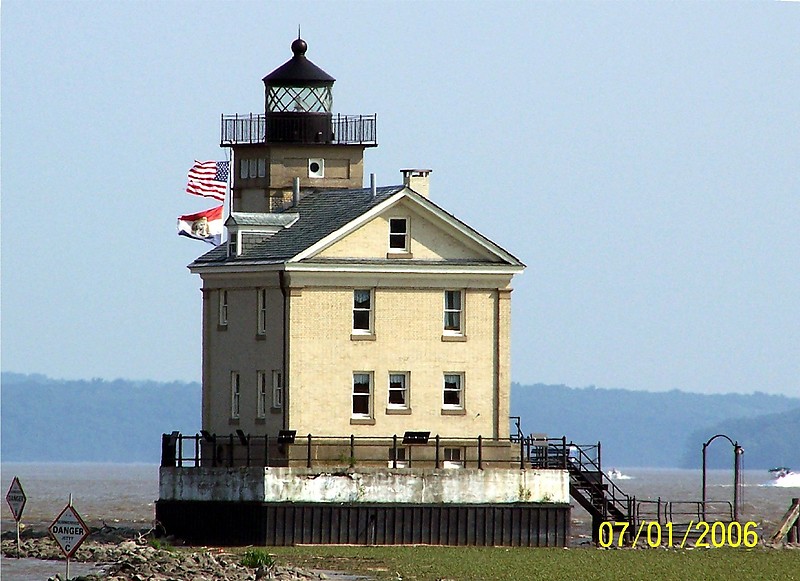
x=321, y=213
x=259, y=219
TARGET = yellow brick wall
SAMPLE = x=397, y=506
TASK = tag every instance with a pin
x=237, y=347
x=429, y=241
x=408, y=324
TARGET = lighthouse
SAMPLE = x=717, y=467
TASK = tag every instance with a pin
x=298, y=138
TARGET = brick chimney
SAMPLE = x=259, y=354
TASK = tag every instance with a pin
x=417, y=180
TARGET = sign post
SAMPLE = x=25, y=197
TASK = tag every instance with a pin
x=69, y=531
x=16, y=502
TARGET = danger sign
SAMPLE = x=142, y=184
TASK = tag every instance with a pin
x=16, y=499
x=69, y=531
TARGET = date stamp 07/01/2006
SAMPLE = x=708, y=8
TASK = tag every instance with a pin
x=699, y=534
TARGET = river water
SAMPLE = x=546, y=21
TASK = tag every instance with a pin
x=124, y=495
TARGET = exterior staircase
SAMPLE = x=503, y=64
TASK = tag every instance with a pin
x=588, y=484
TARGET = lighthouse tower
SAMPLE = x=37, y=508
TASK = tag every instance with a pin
x=298, y=136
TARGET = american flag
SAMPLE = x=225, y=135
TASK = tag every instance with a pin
x=209, y=179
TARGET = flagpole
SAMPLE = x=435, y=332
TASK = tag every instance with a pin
x=229, y=190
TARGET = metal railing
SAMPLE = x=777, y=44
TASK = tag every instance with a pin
x=253, y=128
x=587, y=459
x=346, y=451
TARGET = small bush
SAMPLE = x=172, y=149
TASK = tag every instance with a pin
x=160, y=544
x=255, y=558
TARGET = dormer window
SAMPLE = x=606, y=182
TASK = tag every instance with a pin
x=398, y=235
x=233, y=246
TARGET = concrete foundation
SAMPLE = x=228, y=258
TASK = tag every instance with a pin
x=455, y=486
x=287, y=506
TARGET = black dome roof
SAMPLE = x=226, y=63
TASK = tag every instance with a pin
x=298, y=70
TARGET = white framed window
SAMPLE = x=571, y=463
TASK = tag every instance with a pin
x=235, y=394
x=223, y=307
x=398, y=235
x=362, y=311
x=453, y=312
x=261, y=381
x=277, y=389
x=401, y=457
x=453, y=458
x=262, y=311
x=252, y=168
x=398, y=390
x=362, y=395
x=453, y=393
x=233, y=244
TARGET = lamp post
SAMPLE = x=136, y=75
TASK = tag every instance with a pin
x=738, y=451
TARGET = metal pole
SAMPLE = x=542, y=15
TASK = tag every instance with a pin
x=737, y=479
x=599, y=465
x=704, y=482
x=18, y=547
x=67, y=573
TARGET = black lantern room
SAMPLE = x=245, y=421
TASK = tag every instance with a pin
x=299, y=99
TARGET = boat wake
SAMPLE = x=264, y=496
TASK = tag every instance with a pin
x=615, y=474
x=788, y=480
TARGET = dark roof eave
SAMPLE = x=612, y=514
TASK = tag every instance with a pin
x=300, y=69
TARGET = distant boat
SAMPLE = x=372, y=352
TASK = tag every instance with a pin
x=783, y=477
x=779, y=472
x=615, y=474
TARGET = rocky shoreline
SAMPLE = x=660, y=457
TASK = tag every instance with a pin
x=124, y=554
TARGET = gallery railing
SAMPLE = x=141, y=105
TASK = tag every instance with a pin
x=338, y=129
x=410, y=450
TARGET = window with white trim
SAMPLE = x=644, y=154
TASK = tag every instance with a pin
x=453, y=458
x=252, y=168
x=362, y=395
x=399, y=456
x=235, y=394
x=398, y=390
x=277, y=389
x=262, y=311
x=398, y=235
x=453, y=311
x=261, y=381
x=453, y=396
x=223, y=307
x=362, y=311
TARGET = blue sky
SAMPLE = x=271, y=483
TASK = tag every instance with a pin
x=641, y=158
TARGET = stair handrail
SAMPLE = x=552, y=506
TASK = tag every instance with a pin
x=582, y=459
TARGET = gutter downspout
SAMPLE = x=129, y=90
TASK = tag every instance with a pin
x=285, y=293
x=496, y=369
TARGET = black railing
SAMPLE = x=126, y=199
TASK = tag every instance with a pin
x=348, y=451
x=587, y=459
x=254, y=128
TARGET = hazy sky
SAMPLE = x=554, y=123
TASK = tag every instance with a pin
x=643, y=159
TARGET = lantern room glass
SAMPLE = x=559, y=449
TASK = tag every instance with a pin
x=300, y=99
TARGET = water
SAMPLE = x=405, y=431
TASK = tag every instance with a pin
x=114, y=494
x=124, y=495
x=763, y=500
